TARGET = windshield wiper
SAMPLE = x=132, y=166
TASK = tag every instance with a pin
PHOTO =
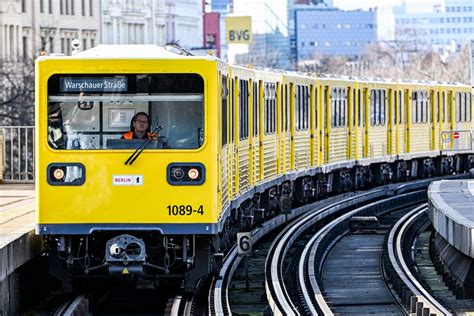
x=142, y=146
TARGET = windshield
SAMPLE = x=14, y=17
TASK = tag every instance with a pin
x=119, y=111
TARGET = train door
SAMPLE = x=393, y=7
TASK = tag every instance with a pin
x=445, y=112
x=401, y=117
x=232, y=131
x=224, y=170
x=243, y=163
x=408, y=119
x=321, y=123
x=315, y=125
x=327, y=122
x=269, y=153
x=351, y=123
x=255, y=145
x=284, y=131
x=226, y=167
x=359, y=123
x=391, y=122
x=280, y=117
x=365, y=99
x=286, y=128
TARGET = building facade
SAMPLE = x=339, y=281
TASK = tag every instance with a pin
x=28, y=27
x=153, y=22
x=448, y=26
x=330, y=31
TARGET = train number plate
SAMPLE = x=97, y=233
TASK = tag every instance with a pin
x=184, y=210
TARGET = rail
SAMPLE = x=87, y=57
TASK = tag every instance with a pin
x=421, y=299
x=17, y=145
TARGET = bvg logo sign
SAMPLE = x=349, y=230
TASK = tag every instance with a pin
x=239, y=29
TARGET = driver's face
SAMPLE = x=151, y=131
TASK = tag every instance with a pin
x=141, y=123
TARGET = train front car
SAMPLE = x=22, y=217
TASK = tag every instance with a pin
x=136, y=209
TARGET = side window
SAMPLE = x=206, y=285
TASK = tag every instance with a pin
x=414, y=107
x=297, y=107
x=270, y=108
x=243, y=109
x=372, y=107
x=224, y=95
x=443, y=101
x=316, y=107
x=469, y=107
x=308, y=100
x=353, y=100
x=282, y=109
x=359, y=105
x=400, y=107
x=256, y=109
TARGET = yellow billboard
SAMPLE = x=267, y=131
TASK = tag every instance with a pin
x=238, y=29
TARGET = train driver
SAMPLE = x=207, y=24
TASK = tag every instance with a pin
x=139, y=127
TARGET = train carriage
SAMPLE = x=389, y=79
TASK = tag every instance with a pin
x=227, y=148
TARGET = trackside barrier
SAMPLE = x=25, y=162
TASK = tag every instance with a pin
x=18, y=154
x=460, y=140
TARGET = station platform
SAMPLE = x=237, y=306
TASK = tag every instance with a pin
x=18, y=241
x=451, y=211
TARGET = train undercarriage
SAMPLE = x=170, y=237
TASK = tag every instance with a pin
x=148, y=258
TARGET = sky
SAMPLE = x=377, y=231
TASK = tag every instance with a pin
x=413, y=5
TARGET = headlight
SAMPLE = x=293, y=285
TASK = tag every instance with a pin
x=66, y=174
x=185, y=173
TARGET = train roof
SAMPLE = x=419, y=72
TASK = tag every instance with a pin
x=134, y=52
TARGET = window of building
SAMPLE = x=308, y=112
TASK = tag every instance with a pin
x=90, y=8
x=23, y=5
x=41, y=6
x=338, y=26
x=51, y=44
x=50, y=6
x=25, y=47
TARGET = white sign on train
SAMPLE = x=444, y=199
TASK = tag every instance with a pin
x=130, y=180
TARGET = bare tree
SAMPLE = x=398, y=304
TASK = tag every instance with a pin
x=17, y=100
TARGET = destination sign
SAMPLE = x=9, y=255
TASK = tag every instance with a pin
x=93, y=84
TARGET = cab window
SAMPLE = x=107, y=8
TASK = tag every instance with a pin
x=88, y=112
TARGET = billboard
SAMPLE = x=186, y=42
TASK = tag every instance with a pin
x=221, y=6
x=238, y=29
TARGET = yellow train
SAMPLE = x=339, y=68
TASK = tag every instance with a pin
x=226, y=147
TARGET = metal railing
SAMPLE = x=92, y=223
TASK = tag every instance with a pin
x=457, y=140
x=18, y=154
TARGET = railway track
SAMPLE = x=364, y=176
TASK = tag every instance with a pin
x=298, y=281
x=289, y=282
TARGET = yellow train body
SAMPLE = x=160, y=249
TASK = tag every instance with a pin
x=230, y=146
